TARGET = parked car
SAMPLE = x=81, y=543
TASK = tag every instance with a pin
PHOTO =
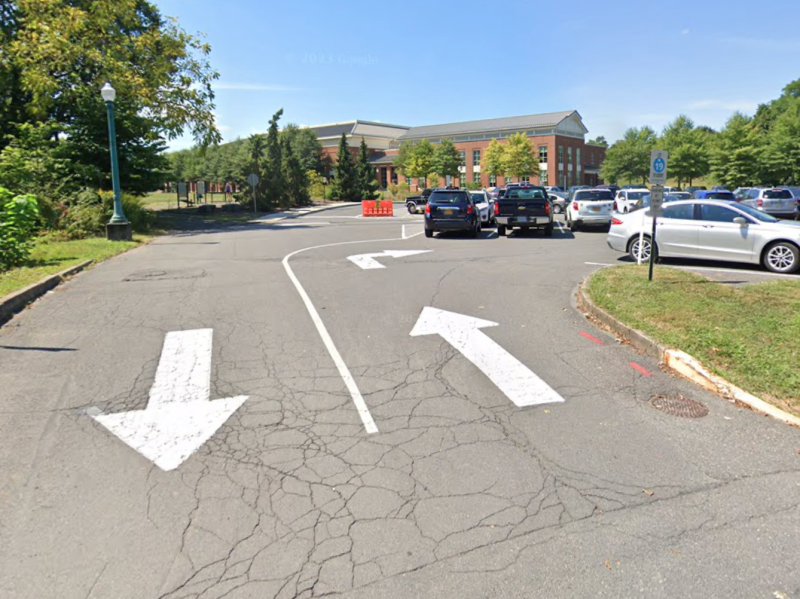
x=691, y=190
x=795, y=190
x=553, y=188
x=575, y=188
x=711, y=230
x=668, y=198
x=634, y=187
x=671, y=189
x=715, y=194
x=590, y=207
x=558, y=202
x=775, y=202
x=614, y=188
x=627, y=198
x=719, y=188
x=485, y=206
x=680, y=195
x=415, y=204
x=451, y=210
x=524, y=207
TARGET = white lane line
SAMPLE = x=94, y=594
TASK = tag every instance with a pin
x=560, y=226
x=709, y=269
x=489, y=236
x=368, y=262
x=344, y=371
x=597, y=264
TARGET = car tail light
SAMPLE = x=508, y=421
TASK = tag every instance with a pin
x=469, y=208
x=547, y=207
x=616, y=221
x=575, y=206
x=427, y=208
x=496, y=208
x=759, y=202
x=615, y=207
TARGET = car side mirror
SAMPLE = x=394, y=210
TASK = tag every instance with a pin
x=740, y=220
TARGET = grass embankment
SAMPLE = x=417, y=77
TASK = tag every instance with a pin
x=749, y=335
x=50, y=257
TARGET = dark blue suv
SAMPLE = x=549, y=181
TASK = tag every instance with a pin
x=451, y=210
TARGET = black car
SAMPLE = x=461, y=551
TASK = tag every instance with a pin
x=451, y=210
x=416, y=203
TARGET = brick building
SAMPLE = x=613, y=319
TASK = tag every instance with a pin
x=558, y=137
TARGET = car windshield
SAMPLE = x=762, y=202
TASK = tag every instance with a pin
x=778, y=194
x=522, y=193
x=757, y=214
x=601, y=195
x=479, y=196
x=637, y=195
x=449, y=197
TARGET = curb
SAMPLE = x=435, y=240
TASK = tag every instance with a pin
x=274, y=217
x=680, y=362
x=16, y=301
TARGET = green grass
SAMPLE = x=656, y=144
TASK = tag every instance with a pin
x=50, y=257
x=749, y=335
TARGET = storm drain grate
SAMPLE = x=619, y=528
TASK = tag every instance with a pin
x=678, y=405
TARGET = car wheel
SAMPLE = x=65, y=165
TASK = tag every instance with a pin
x=633, y=249
x=501, y=230
x=412, y=208
x=557, y=209
x=573, y=226
x=782, y=257
x=428, y=233
x=475, y=230
x=548, y=230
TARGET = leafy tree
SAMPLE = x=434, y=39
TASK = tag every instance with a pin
x=305, y=145
x=736, y=153
x=446, y=159
x=419, y=161
x=346, y=186
x=316, y=188
x=18, y=222
x=519, y=159
x=366, y=174
x=688, y=151
x=598, y=141
x=629, y=158
x=294, y=175
x=494, y=158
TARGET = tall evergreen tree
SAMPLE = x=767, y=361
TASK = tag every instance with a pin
x=366, y=174
x=345, y=184
x=295, y=175
x=274, y=183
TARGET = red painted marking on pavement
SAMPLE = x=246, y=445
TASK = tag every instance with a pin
x=640, y=369
x=590, y=338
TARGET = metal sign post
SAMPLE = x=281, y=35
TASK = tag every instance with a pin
x=253, y=179
x=658, y=177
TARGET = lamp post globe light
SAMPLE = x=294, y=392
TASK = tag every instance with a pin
x=118, y=228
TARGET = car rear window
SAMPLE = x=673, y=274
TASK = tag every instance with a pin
x=720, y=195
x=597, y=196
x=778, y=194
x=637, y=195
x=521, y=193
x=449, y=197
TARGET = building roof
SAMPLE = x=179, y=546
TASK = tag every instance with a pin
x=358, y=127
x=511, y=123
x=383, y=159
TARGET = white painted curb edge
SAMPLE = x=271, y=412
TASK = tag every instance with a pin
x=689, y=367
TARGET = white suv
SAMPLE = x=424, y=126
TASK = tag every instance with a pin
x=590, y=207
x=627, y=199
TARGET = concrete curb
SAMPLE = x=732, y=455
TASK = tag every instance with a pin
x=680, y=362
x=279, y=216
x=14, y=302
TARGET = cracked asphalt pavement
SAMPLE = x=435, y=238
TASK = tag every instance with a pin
x=460, y=494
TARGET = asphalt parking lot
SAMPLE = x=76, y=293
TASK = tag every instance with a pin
x=443, y=424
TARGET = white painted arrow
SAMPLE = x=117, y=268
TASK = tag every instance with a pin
x=510, y=375
x=179, y=417
x=368, y=262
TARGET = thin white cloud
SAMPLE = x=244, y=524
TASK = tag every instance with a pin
x=686, y=31
x=740, y=105
x=255, y=87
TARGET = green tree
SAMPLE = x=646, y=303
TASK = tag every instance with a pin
x=494, y=158
x=346, y=186
x=446, y=160
x=780, y=159
x=294, y=175
x=629, y=158
x=688, y=150
x=598, y=141
x=366, y=174
x=735, y=155
x=519, y=159
x=305, y=145
x=274, y=182
x=420, y=160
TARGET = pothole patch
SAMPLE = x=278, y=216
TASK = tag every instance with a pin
x=165, y=275
x=678, y=405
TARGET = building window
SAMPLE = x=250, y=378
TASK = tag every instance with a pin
x=542, y=153
x=543, y=177
x=561, y=154
x=463, y=154
x=421, y=182
x=508, y=179
x=492, y=180
x=569, y=155
x=476, y=177
x=525, y=179
x=408, y=180
x=579, y=158
x=476, y=157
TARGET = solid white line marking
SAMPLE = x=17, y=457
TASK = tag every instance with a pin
x=510, y=375
x=368, y=262
x=560, y=226
x=179, y=417
x=344, y=371
x=597, y=264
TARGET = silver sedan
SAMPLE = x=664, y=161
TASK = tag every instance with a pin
x=711, y=230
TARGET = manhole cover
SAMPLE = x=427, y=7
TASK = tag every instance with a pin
x=678, y=405
x=163, y=275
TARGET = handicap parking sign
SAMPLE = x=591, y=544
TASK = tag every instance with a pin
x=658, y=167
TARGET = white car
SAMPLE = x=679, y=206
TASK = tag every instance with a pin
x=711, y=230
x=590, y=207
x=485, y=205
x=627, y=199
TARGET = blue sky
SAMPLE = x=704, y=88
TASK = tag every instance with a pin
x=620, y=63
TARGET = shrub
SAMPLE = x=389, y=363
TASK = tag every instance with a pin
x=88, y=212
x=316, y=189
x=19, y=217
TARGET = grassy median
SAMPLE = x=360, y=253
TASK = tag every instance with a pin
x=50, y=257
x=749, y=335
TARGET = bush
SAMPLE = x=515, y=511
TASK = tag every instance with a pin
x=88, y=212
x=19, y=218
x=316, y=189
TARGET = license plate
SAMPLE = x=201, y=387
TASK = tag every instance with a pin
x=595, y=208
x=449, y=212
x=523, y=219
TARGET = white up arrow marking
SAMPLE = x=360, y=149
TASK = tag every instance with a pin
x=179, y=417
x=368, y=262
x=510, y=375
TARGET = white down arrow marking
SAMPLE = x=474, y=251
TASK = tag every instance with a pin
x=179, y=417
x=510, y=375
x=368, y=262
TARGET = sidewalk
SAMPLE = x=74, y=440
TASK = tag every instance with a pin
x=297, y=212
